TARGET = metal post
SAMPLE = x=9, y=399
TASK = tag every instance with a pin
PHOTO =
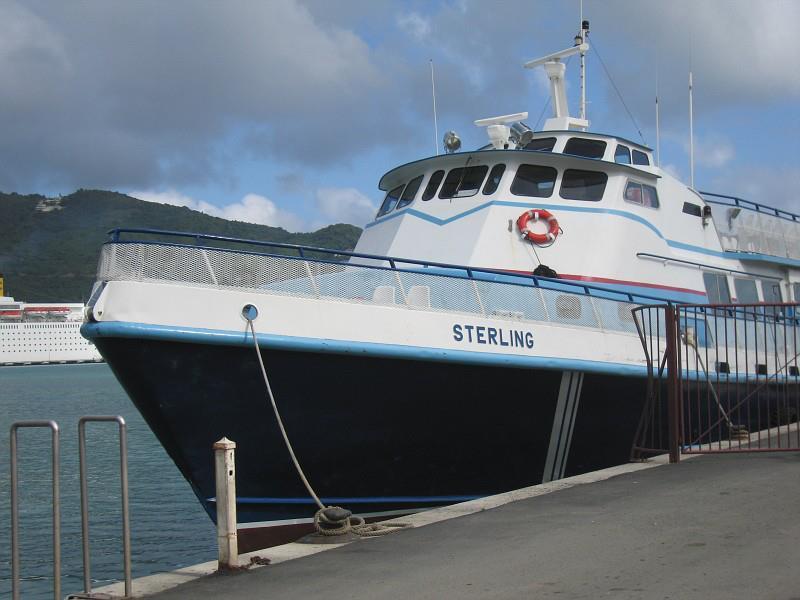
x=53, y=426
x=123, y=477
x=225, y=475
x=673, y=409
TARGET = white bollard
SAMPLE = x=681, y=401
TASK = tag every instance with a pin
x=225, y=474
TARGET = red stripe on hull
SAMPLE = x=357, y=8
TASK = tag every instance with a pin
x=588, y=279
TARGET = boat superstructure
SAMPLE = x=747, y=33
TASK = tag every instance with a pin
x=451, y=355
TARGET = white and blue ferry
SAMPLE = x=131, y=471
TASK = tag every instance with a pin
x=478, y=339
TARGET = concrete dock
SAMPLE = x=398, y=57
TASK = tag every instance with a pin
x=720, y=526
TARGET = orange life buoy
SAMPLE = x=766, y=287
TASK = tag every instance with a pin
x=538, y=214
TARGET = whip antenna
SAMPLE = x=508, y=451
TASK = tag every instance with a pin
x=435, y=123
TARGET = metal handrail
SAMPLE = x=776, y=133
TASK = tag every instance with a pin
x=469, y=272
x=126, y=527
x=750, y=205
x=55, y=459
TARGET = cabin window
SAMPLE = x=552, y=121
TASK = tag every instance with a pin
x=692, y=209
x=717, y=288
x=622, y=155
x=463, y=182
x=409, y=193
x=583, y=185
x=541, y=144
x=534, y=180
x=641, y=194
x=640, y=158
x=746, y=291
x=433, y=185
x=586, y=148
x=391, y=200
x=495, y=175
x=771, y=290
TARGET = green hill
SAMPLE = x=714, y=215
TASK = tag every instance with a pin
x=49, y=247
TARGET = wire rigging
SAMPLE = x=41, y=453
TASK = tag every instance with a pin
x=619, y=94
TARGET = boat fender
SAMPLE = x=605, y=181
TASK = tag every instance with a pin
x=538, y=214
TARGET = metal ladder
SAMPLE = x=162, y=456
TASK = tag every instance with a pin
x=56, y=500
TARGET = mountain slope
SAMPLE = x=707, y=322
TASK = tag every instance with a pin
x=50, y=254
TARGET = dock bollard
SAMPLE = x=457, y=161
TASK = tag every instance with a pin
x=225, y=475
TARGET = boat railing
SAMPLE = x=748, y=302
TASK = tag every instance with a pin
x=302, y=271
x=746, y=226
x=449, y=270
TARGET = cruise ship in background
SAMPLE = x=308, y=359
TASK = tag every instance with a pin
x=42, y=333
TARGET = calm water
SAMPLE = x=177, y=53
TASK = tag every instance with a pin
x=169, y=529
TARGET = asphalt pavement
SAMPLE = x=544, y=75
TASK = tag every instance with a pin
x=723, y=526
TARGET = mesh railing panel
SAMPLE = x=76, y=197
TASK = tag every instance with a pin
x=404, y=289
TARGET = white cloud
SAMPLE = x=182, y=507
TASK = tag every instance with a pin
x=253, y=208
x=415, y=25
x=672, y=170
x=712, y=151
x=773, y=186
x=344, y=205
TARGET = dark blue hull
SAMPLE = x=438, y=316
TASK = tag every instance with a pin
x=376, y=435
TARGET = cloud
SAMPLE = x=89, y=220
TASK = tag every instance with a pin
x=415, y=25
x=772, y=186
x=344, y=205
x=162, y=95
x=252, y=208
x=712, y=151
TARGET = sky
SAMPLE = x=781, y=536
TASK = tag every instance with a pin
x=287, y=112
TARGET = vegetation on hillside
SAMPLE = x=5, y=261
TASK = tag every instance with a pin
x=50, y=253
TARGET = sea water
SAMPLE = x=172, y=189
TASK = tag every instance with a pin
x=169, y=529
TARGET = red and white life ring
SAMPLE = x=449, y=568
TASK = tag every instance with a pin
x=538, y=214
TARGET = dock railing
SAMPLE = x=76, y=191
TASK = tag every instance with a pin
x=55, y=459
x=721, y=378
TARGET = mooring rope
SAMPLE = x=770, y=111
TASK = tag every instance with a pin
x=328, y=520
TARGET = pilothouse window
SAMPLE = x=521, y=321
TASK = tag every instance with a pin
x=433, y=185
x=493, y=181
x=583, y=185
x=463, y=182
x=622, y=155
x=534, y=180
x=585, y=148
x=391, y=200
x=409, y=193
x=541, y=144
x=640, y=158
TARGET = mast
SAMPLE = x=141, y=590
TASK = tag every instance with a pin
x=658, y=137
x=579, y=40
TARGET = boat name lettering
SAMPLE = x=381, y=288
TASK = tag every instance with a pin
x=493, y=336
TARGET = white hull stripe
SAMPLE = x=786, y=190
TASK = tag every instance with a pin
x=563, y=425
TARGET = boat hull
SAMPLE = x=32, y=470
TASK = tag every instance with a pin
x=381, y=436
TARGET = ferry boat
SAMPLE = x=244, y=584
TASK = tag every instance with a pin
x=42, y=333
x=478, y=339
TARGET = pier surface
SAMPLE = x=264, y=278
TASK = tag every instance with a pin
x=722, y=526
